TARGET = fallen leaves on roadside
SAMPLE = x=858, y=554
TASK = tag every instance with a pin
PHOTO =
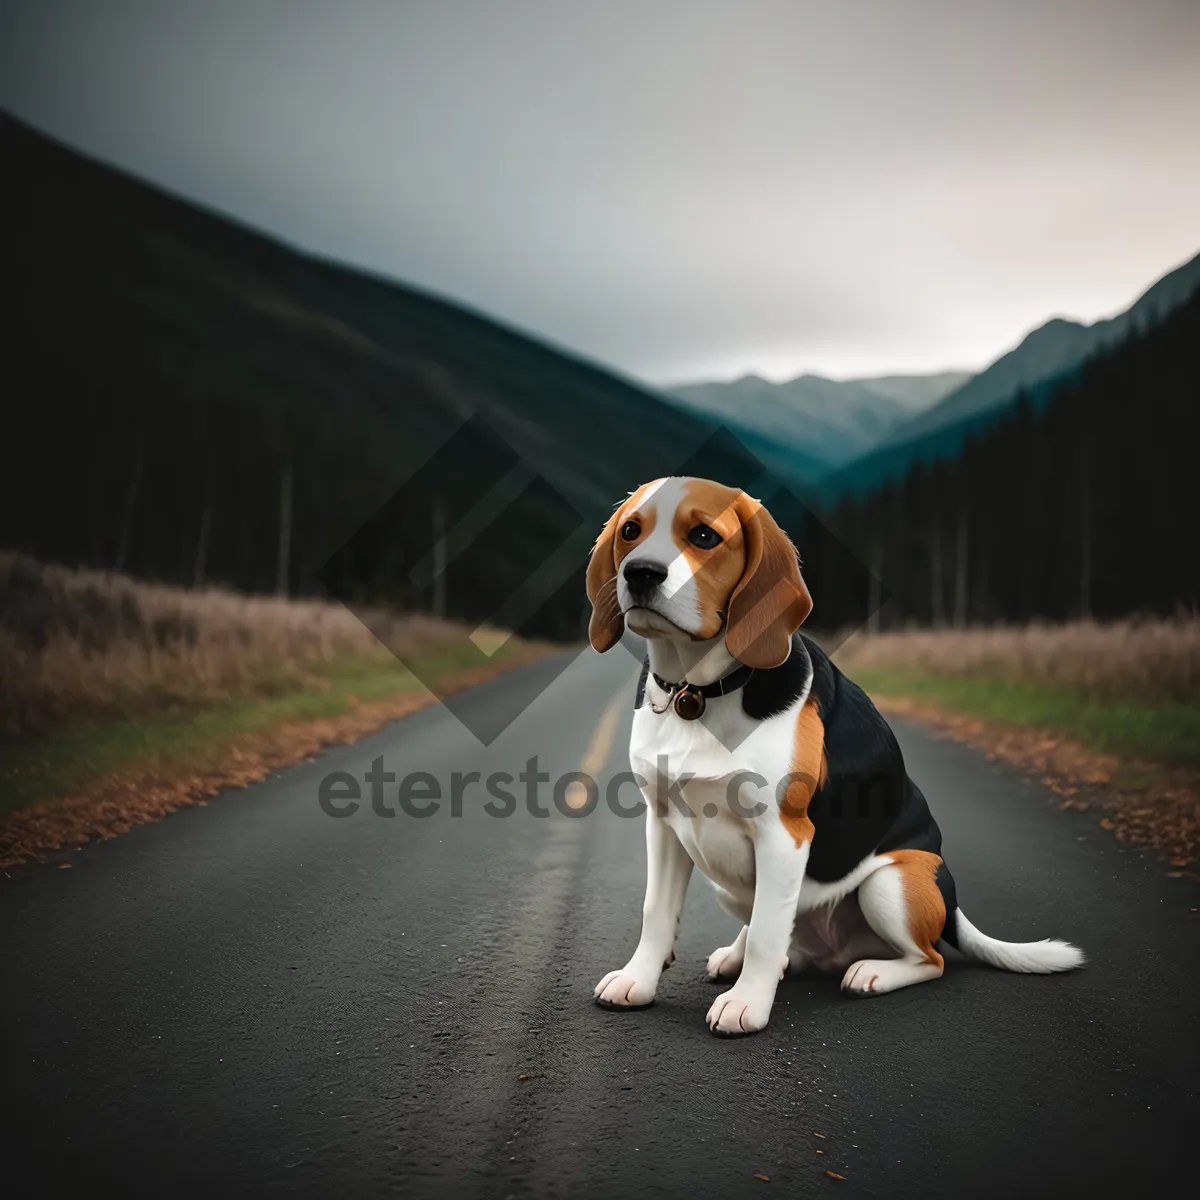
x=1144, y=804
x=834, y=1175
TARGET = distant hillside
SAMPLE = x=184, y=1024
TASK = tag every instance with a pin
x=916, y=392
x=187, y=387
x=1046, y=357
x=820, y=422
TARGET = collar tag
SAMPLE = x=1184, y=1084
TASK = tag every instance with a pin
x=689, y=703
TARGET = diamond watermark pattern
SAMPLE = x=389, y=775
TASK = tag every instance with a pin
x=477, y=535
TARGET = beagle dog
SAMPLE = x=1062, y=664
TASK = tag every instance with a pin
x=764, y=766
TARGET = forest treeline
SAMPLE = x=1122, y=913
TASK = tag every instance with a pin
x=1079, y=503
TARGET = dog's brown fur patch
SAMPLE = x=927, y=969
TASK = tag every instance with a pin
x=922, y=899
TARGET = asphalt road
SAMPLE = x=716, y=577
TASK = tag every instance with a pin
x=255, y=996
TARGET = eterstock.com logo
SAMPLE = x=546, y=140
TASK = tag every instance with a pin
x=477, y=534
x=501, y=794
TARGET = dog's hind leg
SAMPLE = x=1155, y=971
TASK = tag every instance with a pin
x=903, y=905
x=725, y=962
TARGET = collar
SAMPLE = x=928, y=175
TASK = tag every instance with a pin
x=721, y=687
x=690, y=699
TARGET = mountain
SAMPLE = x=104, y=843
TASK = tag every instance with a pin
x=815, y=422
x=1047, y=357
x=187, y=387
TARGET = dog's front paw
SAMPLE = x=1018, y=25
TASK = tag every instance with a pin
x=735, y=1014
x=622, y=990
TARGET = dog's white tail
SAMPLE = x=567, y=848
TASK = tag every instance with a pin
x=1029, y=958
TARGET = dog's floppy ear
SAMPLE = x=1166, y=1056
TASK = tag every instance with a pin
x=608, y=622
x=771, y=600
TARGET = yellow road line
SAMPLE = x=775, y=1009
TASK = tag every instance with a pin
x=599, y=747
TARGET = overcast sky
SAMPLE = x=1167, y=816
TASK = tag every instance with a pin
x=681, y=190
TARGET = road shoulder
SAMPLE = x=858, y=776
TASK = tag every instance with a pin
x=153, y=769
x=1141, y=802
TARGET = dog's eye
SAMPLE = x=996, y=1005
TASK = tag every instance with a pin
x=630, y=531
x=704, y=536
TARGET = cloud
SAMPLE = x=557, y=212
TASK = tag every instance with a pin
x=676, y=189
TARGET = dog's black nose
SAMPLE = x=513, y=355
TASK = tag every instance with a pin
x=643, y=577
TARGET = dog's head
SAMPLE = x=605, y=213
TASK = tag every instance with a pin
x=687, y=558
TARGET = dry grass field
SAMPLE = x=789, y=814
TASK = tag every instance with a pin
x=1149, y=659
x=80, y=648
x=1123, y=687
x=152, y=696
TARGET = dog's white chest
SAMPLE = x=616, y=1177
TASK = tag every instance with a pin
x=699, y=773
x=718, y=843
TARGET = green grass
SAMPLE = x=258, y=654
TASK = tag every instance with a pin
x=1166, y=732
x=179, y=742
